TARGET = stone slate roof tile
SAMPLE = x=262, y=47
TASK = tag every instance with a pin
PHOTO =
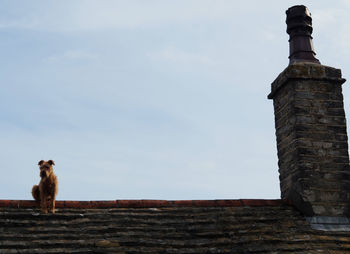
x=151, y=226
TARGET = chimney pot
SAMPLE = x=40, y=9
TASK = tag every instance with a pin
x=299, y=28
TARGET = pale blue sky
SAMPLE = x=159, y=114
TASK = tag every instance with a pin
x=149, y=99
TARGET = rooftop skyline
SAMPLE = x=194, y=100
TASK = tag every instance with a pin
x=156, y=100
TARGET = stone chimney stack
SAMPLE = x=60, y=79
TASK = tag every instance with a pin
x=310, y=123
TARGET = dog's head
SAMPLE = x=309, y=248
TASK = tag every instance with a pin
x=46, y=168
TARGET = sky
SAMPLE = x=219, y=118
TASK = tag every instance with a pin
x=153, y=99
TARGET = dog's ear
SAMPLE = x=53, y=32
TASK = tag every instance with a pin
x=51, y=162
x=40, y=162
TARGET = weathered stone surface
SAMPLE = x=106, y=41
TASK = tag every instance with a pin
x=307, y=71
x=312, y=139
x=256, y=226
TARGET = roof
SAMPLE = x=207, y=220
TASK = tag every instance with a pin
x=157, y=226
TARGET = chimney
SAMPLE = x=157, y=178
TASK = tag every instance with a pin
x=310, y=127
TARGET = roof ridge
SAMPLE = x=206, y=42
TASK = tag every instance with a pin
x=149, y=203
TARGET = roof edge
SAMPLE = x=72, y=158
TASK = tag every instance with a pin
x=147, y=203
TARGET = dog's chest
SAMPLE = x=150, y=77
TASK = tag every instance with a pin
x=48, y=185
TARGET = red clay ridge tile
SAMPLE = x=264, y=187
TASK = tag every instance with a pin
x=149, y=203
x=103, y=204
x=26, y=203
x=182, y=203
x=229, y=202
x=155, y=203
x=59, y=204
x=128, y=203
x=18, y=203
x=204, y=203
x=5, y=203
x=263, y=202
x=77, y=204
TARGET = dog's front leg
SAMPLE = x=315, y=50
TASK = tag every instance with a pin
x=52, y=205
x=43, y=202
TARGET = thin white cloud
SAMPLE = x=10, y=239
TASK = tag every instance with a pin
x=76, y=54
x=116, y=14
x=21, y=23
x=93, y=15
x=180, y=57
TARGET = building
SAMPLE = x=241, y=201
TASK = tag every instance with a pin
x=312, y=215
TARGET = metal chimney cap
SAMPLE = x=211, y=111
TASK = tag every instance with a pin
x=299, y=28
x=298, y=17
x=298, y=10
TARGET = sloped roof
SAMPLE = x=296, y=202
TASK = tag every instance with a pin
x=148, y=226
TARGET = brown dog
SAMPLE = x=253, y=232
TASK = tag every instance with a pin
x=45, y=193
